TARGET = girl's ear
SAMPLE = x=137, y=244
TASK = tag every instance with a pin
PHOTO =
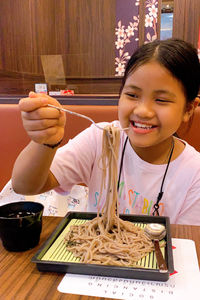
x=190, y=109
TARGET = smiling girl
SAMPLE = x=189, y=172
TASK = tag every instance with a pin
x=158, y=172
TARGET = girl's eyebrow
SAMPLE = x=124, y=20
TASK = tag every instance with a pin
x=165, y=92
x=133, y=87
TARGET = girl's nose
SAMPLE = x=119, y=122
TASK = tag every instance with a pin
x=144, y=109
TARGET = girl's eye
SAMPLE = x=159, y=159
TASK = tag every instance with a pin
x=132, y=95
x=162, y=101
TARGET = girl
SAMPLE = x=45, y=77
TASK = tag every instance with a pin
x=158, y=172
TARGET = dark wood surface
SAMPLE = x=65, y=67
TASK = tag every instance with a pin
x=20, y=278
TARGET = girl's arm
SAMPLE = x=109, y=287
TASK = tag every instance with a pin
x=31, y=174
x=44, y=125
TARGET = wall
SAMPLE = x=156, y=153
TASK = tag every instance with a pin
x=80, y=31
x=80, y=34
x=186, y=20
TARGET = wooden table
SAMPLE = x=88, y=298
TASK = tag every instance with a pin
x=20, y=279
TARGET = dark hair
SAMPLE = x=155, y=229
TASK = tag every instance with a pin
x=177, y=56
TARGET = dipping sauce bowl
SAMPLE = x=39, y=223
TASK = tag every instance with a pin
x=20, y=225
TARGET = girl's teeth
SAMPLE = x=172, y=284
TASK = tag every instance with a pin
x=142, y=125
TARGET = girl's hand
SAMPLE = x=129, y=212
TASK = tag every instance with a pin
x=44, y=125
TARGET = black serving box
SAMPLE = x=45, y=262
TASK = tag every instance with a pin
x=53, y=246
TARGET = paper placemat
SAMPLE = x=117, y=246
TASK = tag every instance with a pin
x=183, y=283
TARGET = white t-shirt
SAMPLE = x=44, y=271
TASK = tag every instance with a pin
x=78, y=162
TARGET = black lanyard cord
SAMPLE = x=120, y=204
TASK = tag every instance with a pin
x=160, y=194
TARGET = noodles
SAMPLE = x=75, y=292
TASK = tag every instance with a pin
x=94, y=245
x=107, y=239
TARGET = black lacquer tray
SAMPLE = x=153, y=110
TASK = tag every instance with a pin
x=53, y=256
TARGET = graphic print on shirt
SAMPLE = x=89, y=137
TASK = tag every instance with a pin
x=131, y=202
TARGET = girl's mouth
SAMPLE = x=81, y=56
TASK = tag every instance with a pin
x=142, y=127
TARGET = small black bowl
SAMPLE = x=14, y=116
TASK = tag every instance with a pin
x=20, y=225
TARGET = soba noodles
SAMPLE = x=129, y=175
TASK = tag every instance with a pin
x=107, y=239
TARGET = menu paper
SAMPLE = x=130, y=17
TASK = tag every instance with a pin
x=183, y=283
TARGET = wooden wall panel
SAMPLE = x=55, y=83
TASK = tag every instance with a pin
x=90, y=38
x=15, y=33
x=186, y=20
x=81, y=31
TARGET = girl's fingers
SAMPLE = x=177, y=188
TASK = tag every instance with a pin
x=43, y=124
x=33, y=95
x=31, y=104
x=35, y=101
x=51, y=100
x=42, y=113
x=34, y=125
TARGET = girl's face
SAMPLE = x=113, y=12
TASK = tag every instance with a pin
x=153, y=105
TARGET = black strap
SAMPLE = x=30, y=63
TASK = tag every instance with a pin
x=160, y=194
x=53, y=146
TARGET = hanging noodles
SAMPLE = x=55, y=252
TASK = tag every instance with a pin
x=107, y=239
